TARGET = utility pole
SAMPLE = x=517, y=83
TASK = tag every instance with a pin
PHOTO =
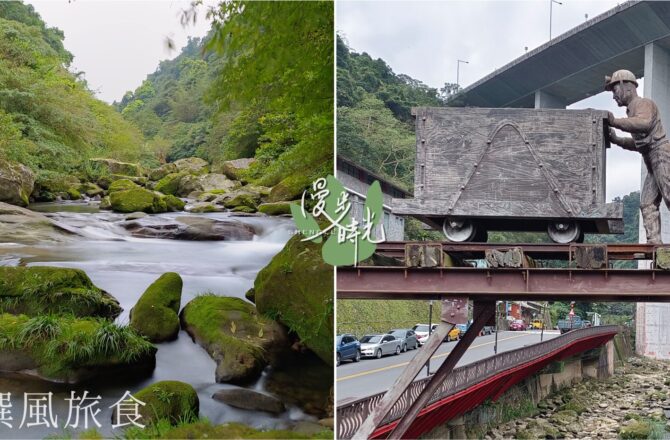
x=551, y=9
x=430, y=330
x=458, y=71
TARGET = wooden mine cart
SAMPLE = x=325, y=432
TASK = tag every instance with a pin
x=510, y=169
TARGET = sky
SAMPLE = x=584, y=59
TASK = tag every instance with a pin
x=425, y=39
x=117, y=43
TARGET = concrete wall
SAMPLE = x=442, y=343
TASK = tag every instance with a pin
x=394, y=226
x=594, y=364
x=653, y=337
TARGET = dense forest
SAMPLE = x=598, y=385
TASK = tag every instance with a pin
x=49, y=118
x=218, y=100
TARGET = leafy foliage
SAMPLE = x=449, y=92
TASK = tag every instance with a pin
x=259, y=85
x=49, y=119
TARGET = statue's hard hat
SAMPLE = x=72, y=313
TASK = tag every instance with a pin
x=619, y=76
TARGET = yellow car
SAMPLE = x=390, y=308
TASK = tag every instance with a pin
x=536, y=324
x=454, y=334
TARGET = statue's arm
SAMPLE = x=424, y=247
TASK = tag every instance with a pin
x=639, y=121
x=626, y=143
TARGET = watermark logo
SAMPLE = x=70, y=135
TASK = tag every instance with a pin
x=351, y=234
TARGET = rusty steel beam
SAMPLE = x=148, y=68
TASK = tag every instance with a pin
x=454, y=311
x=635, y=285
x=551, y=251
x=486, y=311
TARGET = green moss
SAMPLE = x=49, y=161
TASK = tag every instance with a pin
x=301, y=298
x=59, y=345
x=138, y=199
x=122, y=185
x=170, y=400
x=204, y=208
x=246, y=209
x=106, y=203
x=243, y=199
x=232, y=332
x=203, y=429
x=276, y=208
x=73, y=194
x=291, y=188
x=564, y=417
x=111, y=166
x=155, y=314
x=170, y=183
x=218, y=192
x=38, y=290
x=575, y=406
x=636, y=430
x=174, y=203
x=90, y=189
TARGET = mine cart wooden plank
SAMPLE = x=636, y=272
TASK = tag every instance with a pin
x=511, y=164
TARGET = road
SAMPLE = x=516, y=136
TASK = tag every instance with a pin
x=371, y=376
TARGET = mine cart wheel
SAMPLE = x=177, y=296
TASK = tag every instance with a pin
x=459, y=230
x=565, y=232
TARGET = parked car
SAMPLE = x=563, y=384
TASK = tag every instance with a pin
x=347, y=347
x=486, y=330
x=518, y=325
x=567, y=324
x=462, y=329
x=421, y=331
x=453, y=335
x=536, y=324
x=407, y=338
x=379, y=345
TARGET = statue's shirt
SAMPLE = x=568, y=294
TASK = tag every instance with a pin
x=644, y=124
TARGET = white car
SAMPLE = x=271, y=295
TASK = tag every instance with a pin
x=421, y=331
x=379, y=345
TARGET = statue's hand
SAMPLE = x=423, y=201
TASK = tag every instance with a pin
x=613, y=137
x=611, y=120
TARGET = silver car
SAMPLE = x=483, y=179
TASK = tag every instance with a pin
x=379, y=345
x=407, y=338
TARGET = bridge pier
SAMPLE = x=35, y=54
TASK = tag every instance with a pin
x=653, y=337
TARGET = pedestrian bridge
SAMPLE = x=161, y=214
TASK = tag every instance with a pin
x=470, y=385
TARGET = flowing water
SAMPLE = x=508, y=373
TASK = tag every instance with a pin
x=125, y=266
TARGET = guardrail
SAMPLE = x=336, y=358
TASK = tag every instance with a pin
x=352, y=414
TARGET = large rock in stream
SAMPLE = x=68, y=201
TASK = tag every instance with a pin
x=248, y=399
x=240, y=340
x=41, y=290
x=296, y=289
x=138, y=199
x=189, y=228
x=155, y=314
x=111, y=166
x=20, y=225
x=71, y=350
x=16, y=183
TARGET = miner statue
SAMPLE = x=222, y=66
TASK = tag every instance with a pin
x=648, y=138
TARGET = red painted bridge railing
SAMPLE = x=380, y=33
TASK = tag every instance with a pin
x=352, y=414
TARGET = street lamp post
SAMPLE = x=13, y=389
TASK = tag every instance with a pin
x=458, y=70
x=430, y=330
x=551, y=8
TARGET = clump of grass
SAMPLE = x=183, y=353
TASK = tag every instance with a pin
x=40, y=328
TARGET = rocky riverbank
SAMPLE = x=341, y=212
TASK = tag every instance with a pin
x=632, y=404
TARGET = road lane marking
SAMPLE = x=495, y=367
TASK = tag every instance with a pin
x=390, y=367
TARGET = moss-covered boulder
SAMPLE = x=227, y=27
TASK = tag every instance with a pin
x=155, y=314
x=234, y=169
x=291, y=188
x=248, y=399
x=296, y=288
x=244, y=209
x=189, y=184
x=90, y=189
x=21, y=225
x=214, y=182
x=636, y=430
x=169, y=400
x=50, y=185
x=170, y=183
x=203, y=207
x=162, y=171
x=276, y=208
x=238, y=338
x=16, y=183
x=106, y=203
x=138, y=199
x=111, y=166
x=242, y=198
x=174, y=203
x=72, y=350
x=38, y=290
x=122, y=185
x=192, y=165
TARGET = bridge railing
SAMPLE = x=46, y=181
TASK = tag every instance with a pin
x=352, y=414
